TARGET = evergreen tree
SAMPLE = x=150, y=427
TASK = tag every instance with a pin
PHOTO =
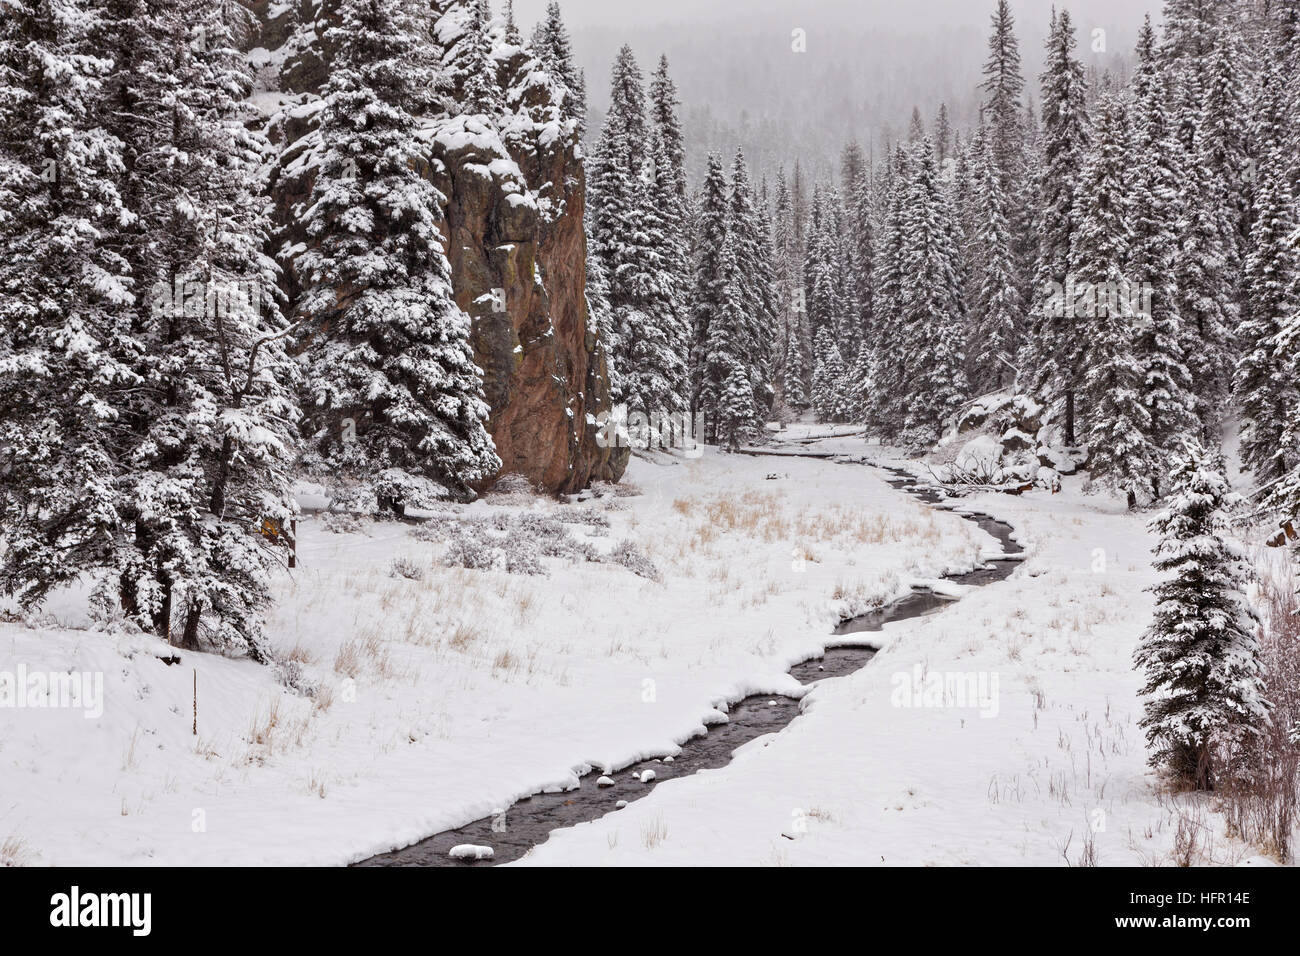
x=468, y=70
x=998, y=304
x=664, y=106
x=729, y=412
x=1265, y=385
x=652, y=323
x=1158, y=213
x=396, y=402
x=1205, y=283
x=1122, y=456
x=711, y=277
x=756, y=283
x=638, y=226
x=789, y=362
x=1004, y=115
x=885, y=401
x=203, y=428
x=1201, y=654
x=551, y=45
x=828, y=377
x=929, y=307
x=63, y=285
x=1003, y=85
x=735, y=408
x=1052, y=346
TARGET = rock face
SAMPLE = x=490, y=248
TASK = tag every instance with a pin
x=513, y=219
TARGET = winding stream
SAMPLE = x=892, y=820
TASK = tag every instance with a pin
x=529, y=822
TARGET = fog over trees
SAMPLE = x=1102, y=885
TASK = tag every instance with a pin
x=867, y=63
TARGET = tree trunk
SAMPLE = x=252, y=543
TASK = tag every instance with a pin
x=1069, y=416
x=190, y=638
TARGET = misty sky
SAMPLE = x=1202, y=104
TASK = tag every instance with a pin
x=868, y=62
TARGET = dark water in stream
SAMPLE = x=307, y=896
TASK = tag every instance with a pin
x=529, y=821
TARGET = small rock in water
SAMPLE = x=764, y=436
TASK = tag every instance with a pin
x=620, y=805
x=647, y=776
x=821, y=667
x=771, y=703
x=605, y=782
x=468, y=851
x=668, y=760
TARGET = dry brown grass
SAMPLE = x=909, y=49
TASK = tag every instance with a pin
x=14, y=851
x=347, y=661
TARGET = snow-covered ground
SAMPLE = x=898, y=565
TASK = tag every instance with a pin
x=1041, y=764
x=442, y=699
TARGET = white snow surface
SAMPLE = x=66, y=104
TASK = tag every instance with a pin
x=445, y=698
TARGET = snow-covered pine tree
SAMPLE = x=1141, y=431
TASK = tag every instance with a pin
x=735, y=408
x=1203, y=276
x=1122, y=455
x=756, y=284
x=468, y=73
x=62, y=286
x=998, y=306
x=885, y=402
x=1052, y=345
x=729, y=413
x=205, y=433
x=710, y=290
x=1200, y=654
x=942, y=135
x=598, y=308
x=635, y=213
x=1265, y=382
x=653, y=340
x=828, y=377
x=788, y=367
x=1189, y=29
x=550, y=44
x=1224, y=136
x=860, y=241
x=664, y=106
x=395, y=400
x=1157, y=170
x=819, y=266
x=930, y=307
x=1003, y=113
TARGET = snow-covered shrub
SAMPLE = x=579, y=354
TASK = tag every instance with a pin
x=472, y=546
x=630, y=556
x=406, y=568
x=342, y=522
x=521, y=555
x=292, y=677
x=624, y=489
x=583, y=516
x=431, y=531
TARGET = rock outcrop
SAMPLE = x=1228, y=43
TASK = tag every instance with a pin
x=513, y=216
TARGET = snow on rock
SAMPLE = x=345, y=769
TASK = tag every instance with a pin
x=469, y=851
x=604, y=781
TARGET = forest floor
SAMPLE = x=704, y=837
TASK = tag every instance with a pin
x=418, y=703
